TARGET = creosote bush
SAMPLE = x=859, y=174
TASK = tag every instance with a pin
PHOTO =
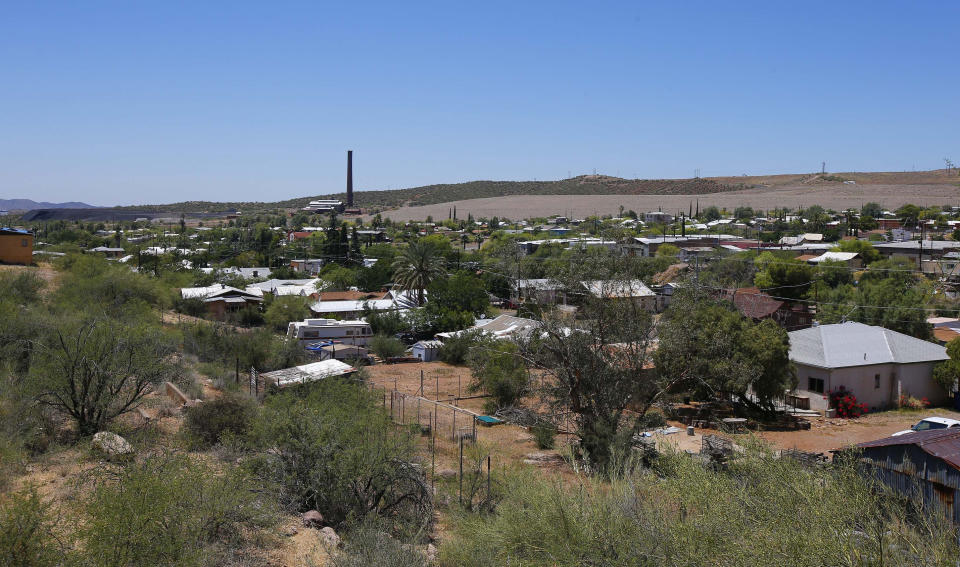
x=231, y=412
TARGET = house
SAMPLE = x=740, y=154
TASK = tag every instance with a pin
x=309, y=265
x=307, y=373
x=945, y=329
x=221, y=299
x=353, y=332
x=304, y=288
x=426, y=351
x=501, y=327
x=922, y=464
x=875, y=364
x=657, y=217
x=917, y=249
x=540, y=290
x=756, y=305
x=647, y=247
x=947, y=267
x=108, y=252
x=626, y=290
x=363, y=302
x=809, y=237
x=851, y=259
x=16, y=246
x=324, y=206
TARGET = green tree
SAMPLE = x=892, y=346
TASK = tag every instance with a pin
x=499, y=370
x=866, y=250
x=286, y=308
x=711, y=350
x=416, y=267
x=783, y=277
x=872, y=210
x=386, y=347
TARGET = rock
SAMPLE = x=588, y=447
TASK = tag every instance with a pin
x=330, y=537
x=431, y=553
x=542, y=459
x=312, y=519
x=447, y=473
x=291, y=532
x=111, y=444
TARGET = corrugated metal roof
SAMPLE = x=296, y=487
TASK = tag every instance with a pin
x=855, y=344
x=940, y=443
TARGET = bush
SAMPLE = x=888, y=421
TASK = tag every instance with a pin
x=689, y=514
x=332, y=448
x=386, y=347
x=26, y=531
x=208, y=421
x=544, y=435
x=845, y=403
x=368, y=545
x=499, y=370
x=909, y=402
x=169, y=510
x=455, y=349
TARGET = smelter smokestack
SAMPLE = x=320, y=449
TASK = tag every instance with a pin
x=350, y=179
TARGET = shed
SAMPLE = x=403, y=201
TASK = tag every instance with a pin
x=307, y=373
x=924, y=463
x=426, y=351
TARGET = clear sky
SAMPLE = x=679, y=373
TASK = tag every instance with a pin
x=133, y=102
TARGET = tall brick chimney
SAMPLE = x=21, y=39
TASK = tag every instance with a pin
x=349, y=179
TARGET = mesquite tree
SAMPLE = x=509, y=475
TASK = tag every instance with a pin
x=94, y=370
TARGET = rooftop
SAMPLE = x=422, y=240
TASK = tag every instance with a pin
x=855, y=344
x=940, y=443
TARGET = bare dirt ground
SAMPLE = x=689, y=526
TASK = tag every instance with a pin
x=511, y=443
x=824, y=434
x=836, y=196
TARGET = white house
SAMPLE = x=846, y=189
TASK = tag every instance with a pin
x=356, y=332
x=876, y=364
x=623, y=290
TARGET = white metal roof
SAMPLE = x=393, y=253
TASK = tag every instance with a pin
x=308, y=372
x=617, y=288
x=855, y=344
x=834, y=256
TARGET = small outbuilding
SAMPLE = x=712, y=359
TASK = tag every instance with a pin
x=426, y=351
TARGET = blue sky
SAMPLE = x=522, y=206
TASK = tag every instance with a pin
x=133, y=102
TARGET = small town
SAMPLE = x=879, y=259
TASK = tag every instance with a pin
x=402, y=367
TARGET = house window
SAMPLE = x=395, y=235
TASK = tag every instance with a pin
x=24, y=243
x=815, y=384
x=876, y=381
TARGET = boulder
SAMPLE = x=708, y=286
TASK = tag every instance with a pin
x=431, y=553
x=330, y=537
x=542, y=459
x=312, y=519
x=112, y=445
x=447, y=473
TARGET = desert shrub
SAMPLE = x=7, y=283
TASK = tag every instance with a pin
x=21, y=287
x=386, y=347
x=26, y=531
x=193, y=306
x=499, y=370
x=368, y=545
x=330, y=447
x=544, y=435
x=455, y=349
x=258, y=348
x=689, y=514
x=169, y=510
x=231, y=412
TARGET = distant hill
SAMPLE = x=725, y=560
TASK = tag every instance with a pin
x=27, y=204
x=444, y=193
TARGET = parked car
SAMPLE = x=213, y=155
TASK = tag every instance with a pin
x=929, y=423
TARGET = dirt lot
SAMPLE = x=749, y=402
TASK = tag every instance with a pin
x=831, y=196
x=43, y=270
x=513, y=443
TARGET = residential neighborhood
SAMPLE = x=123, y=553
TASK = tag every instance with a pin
x=479, y=285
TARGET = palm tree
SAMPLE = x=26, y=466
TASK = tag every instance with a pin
x=417, y=266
